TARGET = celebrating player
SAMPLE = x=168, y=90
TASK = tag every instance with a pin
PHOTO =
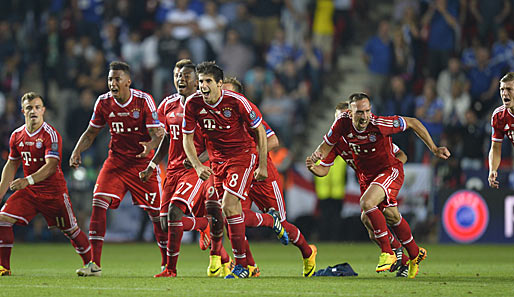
x=223, y=117
x=135, y=131
x=369, y=139
x=502, y=123
x=43, y=189
x=391, y=214
x=183, y=191
x=267, y=195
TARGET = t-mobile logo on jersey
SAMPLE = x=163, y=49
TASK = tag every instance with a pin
x=209, y=124
x=26, y=157
x=175, y=130
x=509, y=216
x=117, y=127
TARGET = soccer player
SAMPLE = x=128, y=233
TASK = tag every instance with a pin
x=369, y=138
x=267, y=196
x=502, y=123
x=224, y=118
x=183, y=191
x=343, y=150
x=135, y=131
x=38, y=146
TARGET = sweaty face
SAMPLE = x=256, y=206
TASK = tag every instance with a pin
x=186, y=82
x=119, y=84
x=33, y=111
x=211, y=90
x=507, y=94
x=361, y=113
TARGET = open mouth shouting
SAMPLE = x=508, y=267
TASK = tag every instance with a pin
x=115, y=91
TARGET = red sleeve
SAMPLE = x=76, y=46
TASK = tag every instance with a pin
x=390, y=125
x=269, y=131
x=189, y=122
x=329, y=159
x=249, y=112
x=497, y=133
x=14, y=154
x=97, y=119
x=150, y=112
x=52, y=144
x=334, y=133
x=161, y=112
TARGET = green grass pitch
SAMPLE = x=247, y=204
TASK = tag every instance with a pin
x=449, y=270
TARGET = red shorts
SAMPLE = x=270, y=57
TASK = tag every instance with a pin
x=25, y=204
x=266, y=194
x=234, y=175
x=391, y=181
x=183, y=189
x=114, y=182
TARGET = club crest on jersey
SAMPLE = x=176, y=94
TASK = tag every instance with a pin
x=372, y=137
x=227, y=112
x=253, y=116
x=39, y=143
x=154, y=115
x=135, y=114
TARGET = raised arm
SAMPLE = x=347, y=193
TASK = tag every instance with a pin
x=422, y=133
x=495, y=156
x=86, y=139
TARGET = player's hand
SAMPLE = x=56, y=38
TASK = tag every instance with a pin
x=159, y=132
x=18, y=184
x=493, y=183
x=260, y=174
x=75, y=160
x=146, y=174
x=442, y=152
x=203, y=172
x=164, y=223
x=148, y=146
x=309, y=163
x=188, y=164
x=316, y=156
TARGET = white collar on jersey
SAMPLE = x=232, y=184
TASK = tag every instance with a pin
x=128, y=101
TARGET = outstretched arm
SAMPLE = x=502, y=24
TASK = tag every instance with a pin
x=85, y=141
x=495, y=156
x=317, y=170
x=420, y=130
x=321, y=152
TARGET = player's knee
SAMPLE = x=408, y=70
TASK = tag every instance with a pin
x=70, y=232
x=393, y=216
x=175, y=213
x=4, y=218
x=366, y=205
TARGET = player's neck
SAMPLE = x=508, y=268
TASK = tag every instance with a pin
x=33, y=127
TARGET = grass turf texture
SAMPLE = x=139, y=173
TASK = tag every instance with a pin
x=450, y=270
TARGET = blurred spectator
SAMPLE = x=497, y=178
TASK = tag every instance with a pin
x=468, y=55
x=265, y=16
x=323, y=30
x=443, y=28
x=258, y=81
x=449, y=75
x=184, y=23
x=309, y=61
x=278, y=109
x=243, y=25
x=10, y=76
x=94, y=76
x=294, y=19
x=378, y=56
x=167, y=51
x=472, y=136
x=10, y=120
x=503, y=52
x=110, y=42
x=228, y=9
x=398, y=101
x=235, y=58
x=456, y=104
x=212, y=26
x=484, y=80
x=69, y=66
x=429, y=110
x=403, y=57
x=490, y=15
x=279, y=51
x=132, y=53
x=343, y=21
x=51, y=45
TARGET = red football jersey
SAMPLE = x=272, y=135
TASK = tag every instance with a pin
x=502, y=123
x=372, y=149
x=223, y=124
x=171, y=114
x=128, y=123
x=272, y=170
x=33, y=148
